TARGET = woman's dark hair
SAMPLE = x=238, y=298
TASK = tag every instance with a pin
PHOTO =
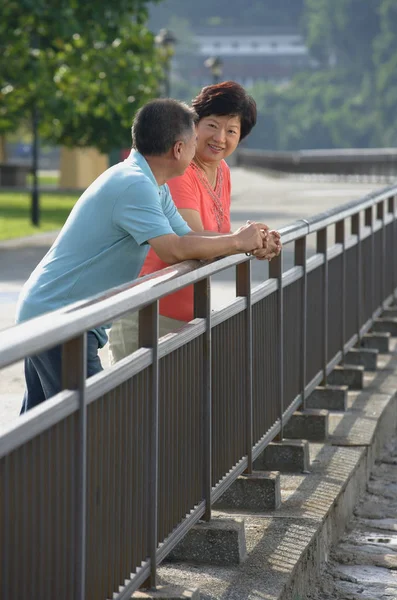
x=159, y=124
x=227, y=98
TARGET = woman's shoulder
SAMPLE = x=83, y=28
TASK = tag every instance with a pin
x=225, y=166
x=225, y=170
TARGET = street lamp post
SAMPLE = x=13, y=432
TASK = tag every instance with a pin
x=35, y=206
x=35, y=164
x=214, y=64
x=166, y=40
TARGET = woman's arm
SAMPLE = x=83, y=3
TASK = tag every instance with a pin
x=192, y=218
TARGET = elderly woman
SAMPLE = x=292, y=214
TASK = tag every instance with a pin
x=226, y=115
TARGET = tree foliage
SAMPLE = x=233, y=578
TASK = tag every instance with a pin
x=385, y=61
x=52, y=19
x=315, y=111
x=235, y=13
x=87, y=67
x=351, y=100
x=342, y=31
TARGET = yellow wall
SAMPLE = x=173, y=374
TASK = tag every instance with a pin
x=80, y=166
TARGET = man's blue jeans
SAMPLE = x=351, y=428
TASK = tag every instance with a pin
x=43, y=372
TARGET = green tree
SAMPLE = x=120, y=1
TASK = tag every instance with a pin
x=385, y=59
x=327, y=110
x=63, y=18
x=341, y=32
x=85, y=66
x=337, y=106
x=316, y=110
x=266, y=135
x=98, y=87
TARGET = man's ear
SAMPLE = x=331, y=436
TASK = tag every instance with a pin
x=177, y=149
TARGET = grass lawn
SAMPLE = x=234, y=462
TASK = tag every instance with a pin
x=44, y=178
x=15, y=213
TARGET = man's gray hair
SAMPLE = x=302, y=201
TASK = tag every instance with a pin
x=159, y=124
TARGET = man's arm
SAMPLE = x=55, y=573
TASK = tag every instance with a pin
x=271, y=245
x=173, y=248
x=207, y=233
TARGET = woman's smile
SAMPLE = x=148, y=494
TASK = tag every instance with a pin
x=215, y=148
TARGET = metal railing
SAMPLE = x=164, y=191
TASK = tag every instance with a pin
x=100, y=482
x=373, y=164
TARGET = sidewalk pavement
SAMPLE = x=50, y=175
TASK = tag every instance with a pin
x=277, y=201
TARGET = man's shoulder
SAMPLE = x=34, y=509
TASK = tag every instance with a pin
x=129, y=171
x=125, y=177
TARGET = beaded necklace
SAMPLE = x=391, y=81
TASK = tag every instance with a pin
x=215, y=194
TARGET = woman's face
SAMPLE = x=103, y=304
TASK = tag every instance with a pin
x=217, y=137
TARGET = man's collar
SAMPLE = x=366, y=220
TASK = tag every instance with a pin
x=137, y=158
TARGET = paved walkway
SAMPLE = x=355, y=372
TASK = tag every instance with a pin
x=277, y=201
x=363, y=566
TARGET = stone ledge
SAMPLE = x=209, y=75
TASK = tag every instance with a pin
x=385, y=324
x=288, y=456
x=311, y=425
x=218, y=542
x=254, y=492
x=379, y=341
x=330, y=397
x=167, y=592
x=350, y=375
x=390, y=312
x=367, y=357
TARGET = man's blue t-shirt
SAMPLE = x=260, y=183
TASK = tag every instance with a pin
x=103, y=243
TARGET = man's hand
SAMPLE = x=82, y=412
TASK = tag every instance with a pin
x=271, y=248
x=251, y=237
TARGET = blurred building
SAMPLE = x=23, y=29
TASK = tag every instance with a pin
x=248, y=55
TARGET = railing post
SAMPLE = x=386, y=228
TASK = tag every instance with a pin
x=340, y=238
x=356, y=230
x=322, y=244
x=74, y=373
x=149, y=338
x=243, y=288
x=381, y=215
x=369, y=222
x=391, y=209
x=202, y=310
x=300, y=260
x=276, y=272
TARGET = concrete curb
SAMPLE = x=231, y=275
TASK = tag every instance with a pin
x=312, y=560
x=22, y=242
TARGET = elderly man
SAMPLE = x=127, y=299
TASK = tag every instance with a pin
x=105, y=240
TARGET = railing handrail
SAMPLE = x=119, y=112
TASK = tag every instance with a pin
x=353, y=154
x=56, y=327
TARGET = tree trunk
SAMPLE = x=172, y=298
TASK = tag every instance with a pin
x=3, y=151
